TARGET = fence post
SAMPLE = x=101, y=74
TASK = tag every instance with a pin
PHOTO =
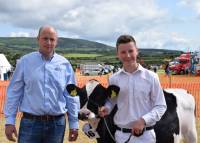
x=170, y=81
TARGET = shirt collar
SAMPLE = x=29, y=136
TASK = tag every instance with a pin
x=45, y=58
x=140, y=68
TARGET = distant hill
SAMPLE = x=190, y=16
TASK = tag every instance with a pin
x=24, y=44
x=15, y=47
x=150, y=52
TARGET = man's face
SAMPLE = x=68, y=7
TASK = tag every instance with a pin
x=47, y=40
x=127, y=53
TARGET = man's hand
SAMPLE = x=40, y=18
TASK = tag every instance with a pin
x=73, y=134
x=103, y=111
x=9, y=131
x=138, y=126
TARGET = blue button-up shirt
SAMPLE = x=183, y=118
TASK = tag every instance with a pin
x=38, y=87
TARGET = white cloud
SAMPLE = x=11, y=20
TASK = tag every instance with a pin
x=194, y=4
x=161, y=40
x=184, y=2
x=92, y=18
x=197, y=7
x=19, y=34
x=99, y=20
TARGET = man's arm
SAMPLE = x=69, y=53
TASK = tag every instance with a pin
x=14, y=94
x=73, y=107
x=159, y=104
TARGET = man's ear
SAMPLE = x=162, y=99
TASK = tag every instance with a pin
x=72, y=89
x=112, y=91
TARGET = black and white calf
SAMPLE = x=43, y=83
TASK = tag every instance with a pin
x=177, y=122
x=92, y=96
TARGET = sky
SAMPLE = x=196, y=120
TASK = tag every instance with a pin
x=158, y=24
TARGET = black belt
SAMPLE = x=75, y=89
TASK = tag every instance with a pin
x=130, y=130
x=41, y=117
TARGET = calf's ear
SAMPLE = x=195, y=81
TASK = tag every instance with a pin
x=112, y=91
x=72, y=89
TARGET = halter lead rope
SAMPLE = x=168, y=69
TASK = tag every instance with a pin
x=108, y=129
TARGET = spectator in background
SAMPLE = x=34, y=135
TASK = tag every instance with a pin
x=37, y=89
x=9, y=74
x=155, y=69
x=167, y=70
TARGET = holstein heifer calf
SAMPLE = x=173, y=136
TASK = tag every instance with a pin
x=177, y=122
x=92, y=96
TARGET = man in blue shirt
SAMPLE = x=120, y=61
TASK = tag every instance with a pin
x=37, y=89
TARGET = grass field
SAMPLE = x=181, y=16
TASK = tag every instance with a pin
x=72, y=55
x=81, y=139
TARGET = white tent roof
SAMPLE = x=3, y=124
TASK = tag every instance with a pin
x=4, y=64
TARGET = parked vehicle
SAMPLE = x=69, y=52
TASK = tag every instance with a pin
x=95, y=69
x=197, y=63
x=181, y=64
x=90, y=69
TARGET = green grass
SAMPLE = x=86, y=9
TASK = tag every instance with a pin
x=77, y=55
x=81, y=139
x=161, y=71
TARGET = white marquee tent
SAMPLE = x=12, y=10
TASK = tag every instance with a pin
x=5, y=66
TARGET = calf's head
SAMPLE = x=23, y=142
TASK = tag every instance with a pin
x=92, y=96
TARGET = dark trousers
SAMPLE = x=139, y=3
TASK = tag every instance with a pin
x=42, y=131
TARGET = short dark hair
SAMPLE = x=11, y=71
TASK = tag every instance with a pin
x=123, y=39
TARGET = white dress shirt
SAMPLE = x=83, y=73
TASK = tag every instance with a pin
x=140, y=95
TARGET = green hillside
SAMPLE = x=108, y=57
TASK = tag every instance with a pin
x=79, y=51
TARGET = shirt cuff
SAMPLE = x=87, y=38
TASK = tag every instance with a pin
x=73, y=125
x=10, y=120
x=147, y=120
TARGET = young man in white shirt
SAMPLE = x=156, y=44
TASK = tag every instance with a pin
x=140, y=102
